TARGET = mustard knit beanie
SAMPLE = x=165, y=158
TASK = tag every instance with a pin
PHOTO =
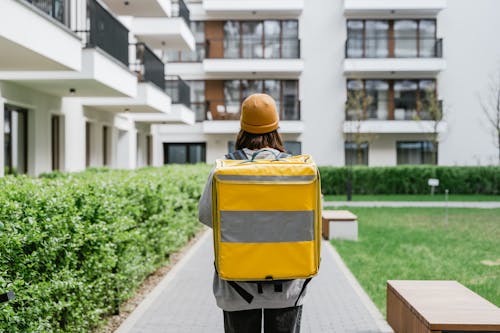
x=258, y=114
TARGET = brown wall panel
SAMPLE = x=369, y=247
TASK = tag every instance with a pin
x=214, y=34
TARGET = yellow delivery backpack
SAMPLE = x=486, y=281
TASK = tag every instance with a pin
x=266, y=218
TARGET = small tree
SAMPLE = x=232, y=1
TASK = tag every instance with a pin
x=490, y=104
x=430, y=108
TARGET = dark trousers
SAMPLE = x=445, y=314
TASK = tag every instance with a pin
x=286, y=320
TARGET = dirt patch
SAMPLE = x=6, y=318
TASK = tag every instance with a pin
x=146, y=287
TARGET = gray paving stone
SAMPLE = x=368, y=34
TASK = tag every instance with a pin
x=185, y=304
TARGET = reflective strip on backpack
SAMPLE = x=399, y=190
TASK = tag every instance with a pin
x=266, y=226
x=267, y=178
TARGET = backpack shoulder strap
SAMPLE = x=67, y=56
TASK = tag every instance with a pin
x=237, y=155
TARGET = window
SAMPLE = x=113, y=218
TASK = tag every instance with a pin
x=198, y=29
x=392, y=100
x=231, y=146
x=418, y=152
x=285, y=93
x=391, y=38
x=149, y=149
x=293, y=147
x=197, y=92
x=184, y=153
x=356, y=154
x=56, y=141
x=105, y=145
x=268, y=39
x=15, y=140
x=87, y=143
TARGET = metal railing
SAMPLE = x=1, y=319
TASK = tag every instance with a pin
x=394, y=48
x=230, y=110
x=57, y=9
x=148, y=66
x=398, y=109
x=101, y=29
x=179, y=91
x=180, y=9
x=253, y=48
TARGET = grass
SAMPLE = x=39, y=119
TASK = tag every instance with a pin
x=416, y=244
x=413, y=197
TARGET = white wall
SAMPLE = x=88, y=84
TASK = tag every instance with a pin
x=472, y=52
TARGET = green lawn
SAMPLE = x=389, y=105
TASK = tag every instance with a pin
x=415, y=244
x=413, y=197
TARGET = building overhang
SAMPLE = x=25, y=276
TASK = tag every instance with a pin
x=392, y=8
x=180, y=114
x=233, y=127
x=394, y=67
x=394, y=127
x=142, y=8
x=30, y=40
x=101, y=75
x=149, y=99
x=284, y=68
x=253, y=7
x=170, y=33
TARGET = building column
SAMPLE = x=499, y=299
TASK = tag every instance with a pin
x=74, y=134
x=157, y=147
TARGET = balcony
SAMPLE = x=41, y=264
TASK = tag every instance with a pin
x=250, y=8
x=240, y=56
x=397, y=116
x=56, y=49
x=395, y=8
x=394, y=56
x=148, y=66
x=179, y=91
x=142, y=8
x=223, y=117
x=172, y=33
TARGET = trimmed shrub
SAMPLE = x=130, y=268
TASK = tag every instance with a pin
x=73, y=247
x=411, y=179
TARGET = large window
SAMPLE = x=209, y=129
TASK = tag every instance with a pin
x=392, y=100
x=291, y=147
x=417, y=152
x=392, y=38
x=184, y=153
x=356, y=153
x=284, y=92
x=198, y=104
x=268, y=39
x=56, y=141
x=15, y=140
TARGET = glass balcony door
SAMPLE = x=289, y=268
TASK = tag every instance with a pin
x=15, y=140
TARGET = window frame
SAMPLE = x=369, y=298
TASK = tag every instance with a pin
x=188, y=146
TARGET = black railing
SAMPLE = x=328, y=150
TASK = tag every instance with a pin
x=253, y=48
x=179, y=91
x=180, y=9
x=101, y=29
x=401, y=109
x=394, y=48
x=230, y=110
x=148, y=66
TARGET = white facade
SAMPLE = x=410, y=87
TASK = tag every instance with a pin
x=67, y=98
x=470, y=56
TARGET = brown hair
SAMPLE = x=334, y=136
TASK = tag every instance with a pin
x=259, y=141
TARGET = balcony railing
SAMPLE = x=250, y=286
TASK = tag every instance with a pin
x=253, y=48
x=394, y=48
x=179, y=91
x=404, y=109
x=180, y=9
x=100, y=28
x=230, y=110
x=148, y=66
x=57, y=9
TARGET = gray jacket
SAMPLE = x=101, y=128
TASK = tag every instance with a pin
x=226, y=296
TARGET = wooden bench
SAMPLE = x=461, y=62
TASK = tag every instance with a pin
x=340, y=224
x=438, y=307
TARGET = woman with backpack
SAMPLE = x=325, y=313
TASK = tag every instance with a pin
x=247, y=306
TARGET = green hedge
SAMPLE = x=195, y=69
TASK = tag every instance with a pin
x=412, y=179
x=73, y=247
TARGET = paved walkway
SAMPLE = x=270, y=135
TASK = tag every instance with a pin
x=450, y=204
x=183, y=301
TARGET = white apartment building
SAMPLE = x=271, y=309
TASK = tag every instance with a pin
x=81, y=81
x=408, y=59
